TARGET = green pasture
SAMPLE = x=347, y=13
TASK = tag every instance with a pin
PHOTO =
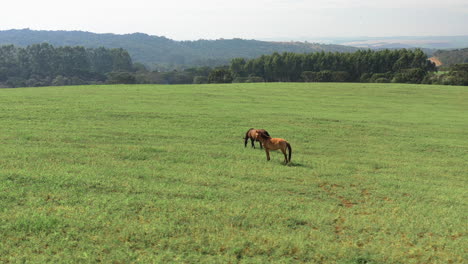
x=159, y=174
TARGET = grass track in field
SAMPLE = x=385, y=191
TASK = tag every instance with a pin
x=148, y=173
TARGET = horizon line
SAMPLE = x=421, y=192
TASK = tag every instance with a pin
x=270, y=39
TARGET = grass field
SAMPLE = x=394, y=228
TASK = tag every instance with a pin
x=159, y=174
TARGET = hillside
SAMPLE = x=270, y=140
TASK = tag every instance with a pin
x=156, y=51
x=450, y=57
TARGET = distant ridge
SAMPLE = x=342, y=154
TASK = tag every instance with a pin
x=408, y=42
x=161, y=52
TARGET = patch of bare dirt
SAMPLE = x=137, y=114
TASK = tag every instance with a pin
x=436, y=61
x=329, y=189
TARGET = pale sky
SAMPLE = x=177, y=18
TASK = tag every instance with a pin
x=248, y=19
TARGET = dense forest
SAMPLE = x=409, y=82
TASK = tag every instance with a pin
x=160, y=53
x=45, y=65
x=382, y=66
x=360, y=66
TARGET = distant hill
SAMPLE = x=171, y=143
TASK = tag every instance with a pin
x=161, y=52
x=450, y=57
x=408, y=42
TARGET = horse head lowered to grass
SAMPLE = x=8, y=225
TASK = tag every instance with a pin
x=270, y=143
x=252, y=134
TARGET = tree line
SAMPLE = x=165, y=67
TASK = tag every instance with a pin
x=383, y=66
x=44, y=65
x=361, y=66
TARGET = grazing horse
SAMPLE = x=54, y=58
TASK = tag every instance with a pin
x=253, y=135
x=274, y=144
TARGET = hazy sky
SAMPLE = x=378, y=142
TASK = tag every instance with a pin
x=261, y=19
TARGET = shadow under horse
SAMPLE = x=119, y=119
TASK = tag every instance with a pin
x=252, y=134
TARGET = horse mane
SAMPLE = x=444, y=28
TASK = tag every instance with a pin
x=263, y=133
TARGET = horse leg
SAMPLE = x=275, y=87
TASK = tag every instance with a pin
x=268, y=154
x=285, y=156
x=252, y=142
x=261, y=145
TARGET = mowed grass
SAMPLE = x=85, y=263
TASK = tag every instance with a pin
x=159, y=174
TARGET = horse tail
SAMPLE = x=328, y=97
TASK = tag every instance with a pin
x=246, y=137
x=289, y=150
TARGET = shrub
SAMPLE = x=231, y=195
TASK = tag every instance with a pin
x=119, y=78
x=60, y=81
x=381, y=77
x=326, y=76
x=341, y=76
x=15, y=82
x=200, y=79
x=382, y=80
x=365, y=77
x=321, y=76
x=413, y=75
x=220, y=76
x=254, y=79
x=240, y=80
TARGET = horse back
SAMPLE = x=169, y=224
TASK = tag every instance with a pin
x=277, y=143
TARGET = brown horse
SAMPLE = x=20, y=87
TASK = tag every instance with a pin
x=252, y=134
x=274, y=144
